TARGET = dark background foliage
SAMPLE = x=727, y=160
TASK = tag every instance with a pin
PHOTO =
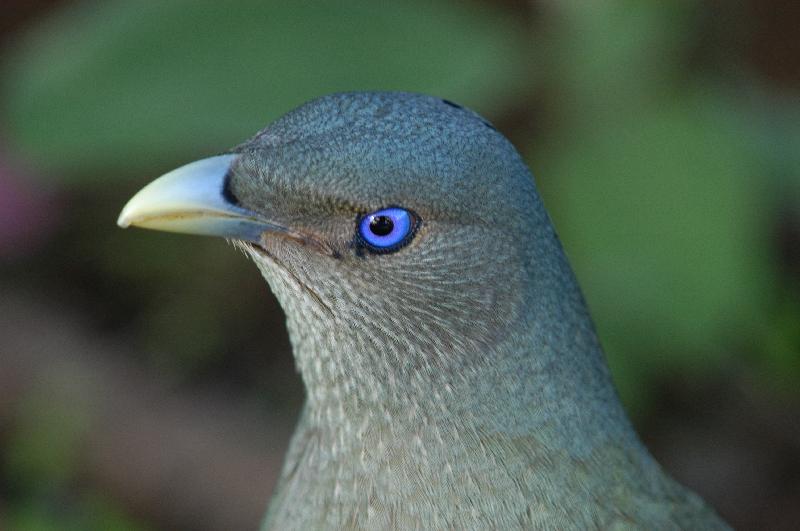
x=146, y=380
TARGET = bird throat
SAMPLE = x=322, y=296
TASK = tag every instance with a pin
x=525, y=383
x=505, y=430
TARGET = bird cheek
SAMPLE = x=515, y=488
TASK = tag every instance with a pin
x=309, y=241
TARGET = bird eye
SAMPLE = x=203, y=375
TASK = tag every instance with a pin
x=386, y=230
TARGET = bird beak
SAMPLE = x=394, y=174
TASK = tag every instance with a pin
x=193, y=200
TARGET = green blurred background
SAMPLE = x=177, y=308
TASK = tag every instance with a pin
x=146, y=381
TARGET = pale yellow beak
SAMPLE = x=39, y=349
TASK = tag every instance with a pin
x=193, y=200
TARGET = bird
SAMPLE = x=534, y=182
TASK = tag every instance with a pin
x=453, y=376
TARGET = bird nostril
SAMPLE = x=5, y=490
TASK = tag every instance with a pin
x=227, y=192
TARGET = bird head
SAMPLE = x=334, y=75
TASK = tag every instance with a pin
x=401, y=233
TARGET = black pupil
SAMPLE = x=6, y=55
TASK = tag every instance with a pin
x=381, y=225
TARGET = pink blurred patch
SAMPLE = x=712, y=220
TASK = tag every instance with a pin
x=28, y=214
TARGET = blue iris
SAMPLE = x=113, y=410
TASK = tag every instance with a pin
x=386, y=229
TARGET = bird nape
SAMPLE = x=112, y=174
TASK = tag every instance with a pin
x=453, y=376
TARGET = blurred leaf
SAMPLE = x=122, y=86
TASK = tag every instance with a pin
x=663, y=220
x=118, y=85
x=45, y=446
x=606, y=56
x=780, y=348
x=94, y=513
x=101, y=513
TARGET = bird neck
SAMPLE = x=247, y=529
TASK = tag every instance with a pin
x=533, y=416
x=543, y=382
x=530, y=365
